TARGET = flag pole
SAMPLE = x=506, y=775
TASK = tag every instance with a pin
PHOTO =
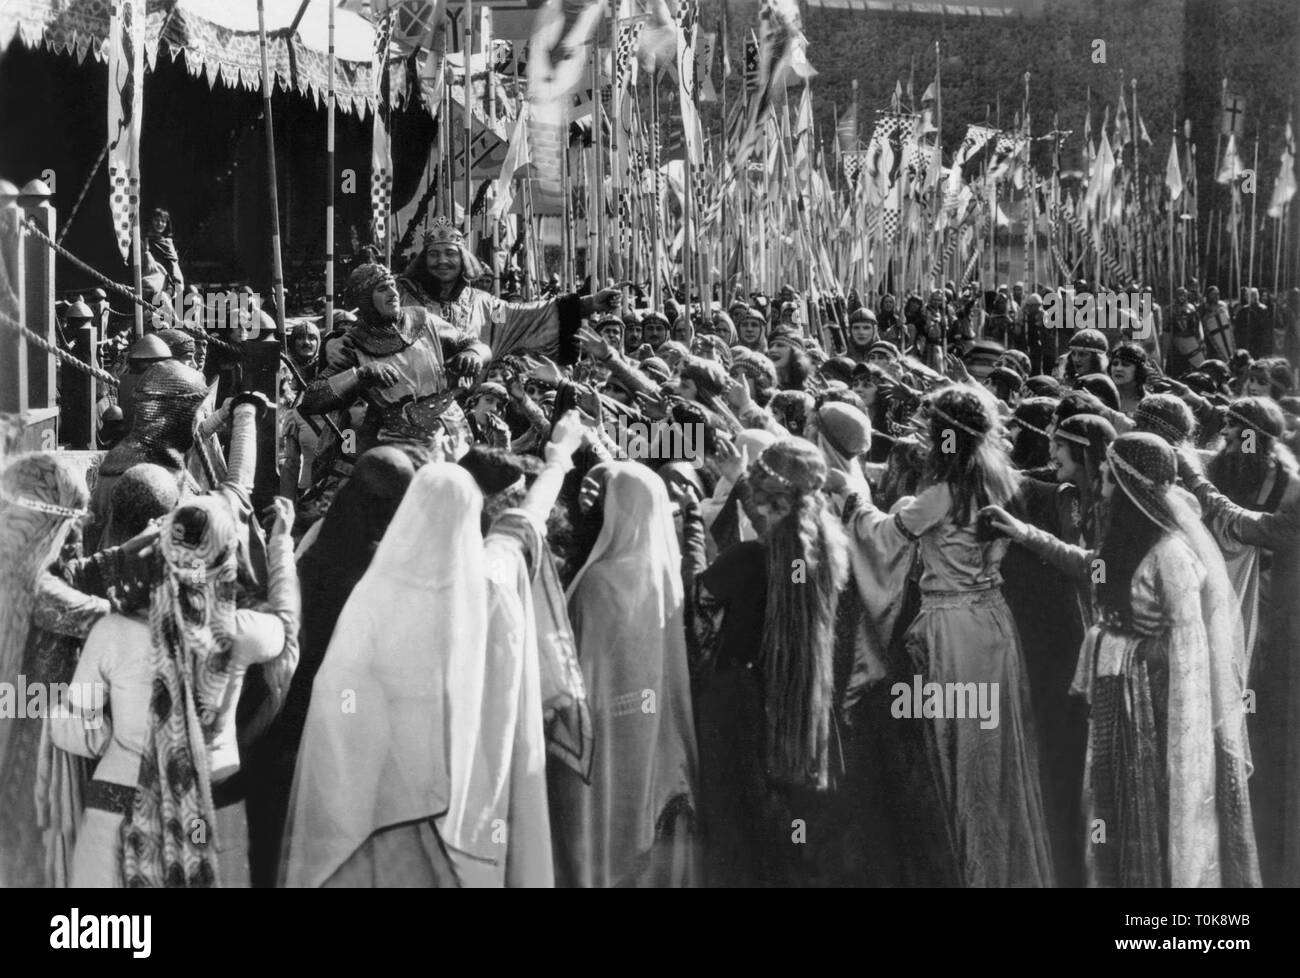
x=277, y=269
x=328, y=323
x=1254, y=199
x=467, y=51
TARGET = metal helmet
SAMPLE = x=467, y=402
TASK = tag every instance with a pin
x=148, y=348
x=79, y=310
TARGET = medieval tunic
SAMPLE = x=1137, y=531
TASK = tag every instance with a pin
x=417, y=346
x=546, y=326
x=116, y=660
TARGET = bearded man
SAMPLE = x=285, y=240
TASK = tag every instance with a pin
x=439, y=280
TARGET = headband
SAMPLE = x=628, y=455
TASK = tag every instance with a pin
x=1025, y=424
x=772, y=473
x=1155, y=421
x=947, y=418
x=1071, y=436
x=41, y=506
x=1244, y=421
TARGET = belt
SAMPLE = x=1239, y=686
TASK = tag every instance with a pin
x=986, y=594
x=109, y=796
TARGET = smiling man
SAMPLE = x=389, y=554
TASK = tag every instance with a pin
x=439, y=280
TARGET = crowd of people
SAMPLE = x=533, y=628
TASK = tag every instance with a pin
x=943, y=597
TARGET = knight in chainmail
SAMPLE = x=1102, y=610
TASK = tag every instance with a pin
x=400, y=362
x=167, y=403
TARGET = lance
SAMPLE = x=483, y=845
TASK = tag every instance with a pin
x=276, y=266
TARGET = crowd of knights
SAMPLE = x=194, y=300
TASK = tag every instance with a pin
x=477, y=628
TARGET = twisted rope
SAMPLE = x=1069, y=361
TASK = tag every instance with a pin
x=40, y=342
x=85, y=188
x=30, y=227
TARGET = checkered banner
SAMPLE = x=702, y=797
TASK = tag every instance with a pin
x=125, y=110
x=381, y=178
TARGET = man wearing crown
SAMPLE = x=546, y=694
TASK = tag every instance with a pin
x=439, y=277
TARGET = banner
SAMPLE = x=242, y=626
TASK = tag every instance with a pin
x=125, y=112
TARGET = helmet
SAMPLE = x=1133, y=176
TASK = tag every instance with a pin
x=150, y=347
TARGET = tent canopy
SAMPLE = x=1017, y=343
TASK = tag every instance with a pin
x=218, y=40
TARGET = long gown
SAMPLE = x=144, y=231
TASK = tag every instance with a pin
x=1165, y=793
x=986, y=776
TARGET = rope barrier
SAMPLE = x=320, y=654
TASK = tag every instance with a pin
x=30, y=227
x=40, y=342
x=85, y=188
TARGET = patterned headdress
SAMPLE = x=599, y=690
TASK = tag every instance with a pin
x=1144, y=467
x=190, y=625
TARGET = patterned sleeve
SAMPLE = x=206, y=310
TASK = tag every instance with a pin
x=64, y=610
x=335, y=385
x=704, y=612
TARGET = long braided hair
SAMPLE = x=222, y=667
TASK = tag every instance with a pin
x=807, y=566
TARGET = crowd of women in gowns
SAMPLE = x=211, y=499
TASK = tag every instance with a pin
x=579, y=666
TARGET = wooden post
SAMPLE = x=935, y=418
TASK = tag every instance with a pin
x=277, y=269
x=38, y=310
x=13, y=346
x=80, y=393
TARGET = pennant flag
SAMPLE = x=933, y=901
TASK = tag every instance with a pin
x=704, y=66
x=724, y=25
x=629, y=37
x=125, y=110
x=688, y=16
x=846, y=130
x=1123, y=134
x=782, y=50
x=751, y=65
x=1285, y=185
x=1103, y=173
x=557, y=62
x=517, y=157
x=1231, y=168
x=1173, y=173
x=412, y=21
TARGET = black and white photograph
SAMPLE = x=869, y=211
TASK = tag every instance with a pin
x=656, y=444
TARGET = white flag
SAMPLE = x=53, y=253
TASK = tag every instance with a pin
x=1284, y=186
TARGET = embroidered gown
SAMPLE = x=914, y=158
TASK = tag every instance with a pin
x=1165, y=773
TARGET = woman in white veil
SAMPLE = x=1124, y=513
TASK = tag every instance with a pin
x=423, y=756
